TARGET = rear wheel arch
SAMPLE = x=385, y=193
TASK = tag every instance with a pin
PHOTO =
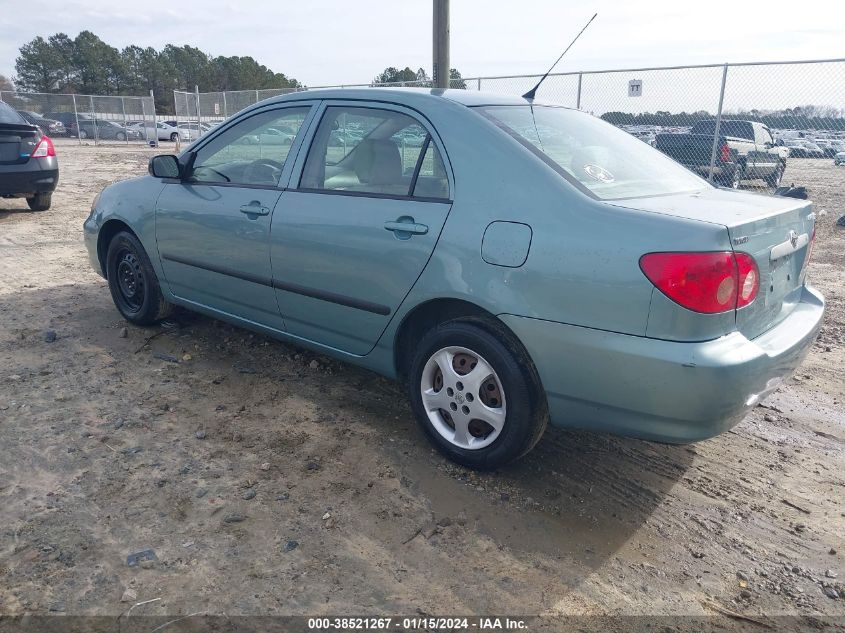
x=468, y=330
x=430, y=314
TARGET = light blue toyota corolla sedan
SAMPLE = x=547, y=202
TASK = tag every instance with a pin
x=513, y=263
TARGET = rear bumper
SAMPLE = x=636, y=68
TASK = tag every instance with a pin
x=28, y=179
x=663, y=390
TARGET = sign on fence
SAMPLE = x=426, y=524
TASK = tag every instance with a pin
x=635, y=88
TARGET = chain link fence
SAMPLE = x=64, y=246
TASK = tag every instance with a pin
x=203, y=110
x=735, y=124
x=738, y=125
x=198, y=112
x=88, y=118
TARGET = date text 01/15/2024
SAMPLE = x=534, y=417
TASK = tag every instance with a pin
x=417, y=623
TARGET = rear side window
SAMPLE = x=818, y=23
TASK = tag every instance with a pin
x=431, y=179
x=10, y=115
x=374, y=151
x=737, y=129
x=597, y=157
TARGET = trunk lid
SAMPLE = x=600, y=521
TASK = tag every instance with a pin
x=17, y=142
x=776, y=231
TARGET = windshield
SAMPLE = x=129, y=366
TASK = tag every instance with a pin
x=597, y=157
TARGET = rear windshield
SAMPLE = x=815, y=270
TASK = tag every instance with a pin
x=737, y=129
x=599, y=158
x=10, y=115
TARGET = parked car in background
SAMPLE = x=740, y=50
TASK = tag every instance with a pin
x=28, y=164
x=796, y=147
x=839, y=159
x=828, y=147
x=344, y=138
x=68, y=119
x=745, y=150
x=50, y=127
x=192, y=128
x=280, y=135
x=527, y=263
x=160, y=131
x=191, y=131
x=106, y=130
x=412, y=137
x=813, y=150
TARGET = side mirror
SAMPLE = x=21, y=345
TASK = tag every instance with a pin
x=165, y=166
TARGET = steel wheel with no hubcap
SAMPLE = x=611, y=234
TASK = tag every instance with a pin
x=463, y=398
x=130, y=280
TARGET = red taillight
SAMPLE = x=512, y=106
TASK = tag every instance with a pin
x=44, y=148
x=726, y=153
x=704, y=282
x=748, y=279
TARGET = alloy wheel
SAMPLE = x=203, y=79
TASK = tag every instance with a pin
x=463, y=398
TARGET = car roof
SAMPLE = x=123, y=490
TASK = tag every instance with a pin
x=408, y=96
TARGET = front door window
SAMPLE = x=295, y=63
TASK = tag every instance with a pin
x=251, y=153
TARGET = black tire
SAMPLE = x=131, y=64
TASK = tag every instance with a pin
x=120, y=136
x=526, y=415
x=174, y=137
x=83, y=134
x=40, y=201
x=133, y=283
x=773, y=180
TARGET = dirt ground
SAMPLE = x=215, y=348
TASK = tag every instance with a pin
x=268, y=480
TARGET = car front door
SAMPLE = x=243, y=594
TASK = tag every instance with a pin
x=353, y=233
x=213, y=226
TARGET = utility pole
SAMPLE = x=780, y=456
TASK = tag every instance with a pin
x=440, y=44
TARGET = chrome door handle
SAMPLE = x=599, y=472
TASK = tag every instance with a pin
x=255, y=208
x=407, y=226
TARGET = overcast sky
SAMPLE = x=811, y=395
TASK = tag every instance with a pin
x=332, y=41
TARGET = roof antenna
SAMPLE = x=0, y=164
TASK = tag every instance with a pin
x=530, y=94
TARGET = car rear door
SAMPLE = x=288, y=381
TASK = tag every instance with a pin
x=358, y=223
x=213, y=226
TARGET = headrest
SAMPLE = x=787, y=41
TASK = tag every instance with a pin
x=377, y=162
